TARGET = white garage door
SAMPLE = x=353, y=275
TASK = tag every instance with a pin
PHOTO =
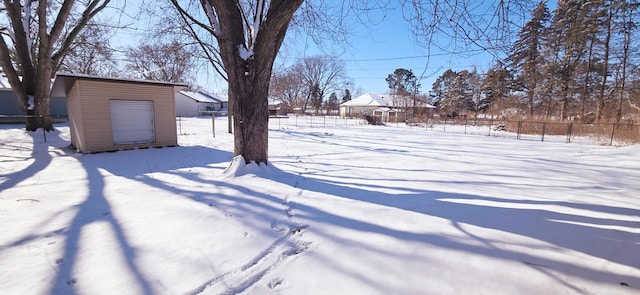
x=132, y=121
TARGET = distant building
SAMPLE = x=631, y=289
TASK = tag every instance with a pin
x=193, y=104
x=10, y=111
x=364, y=104
x=385, y=107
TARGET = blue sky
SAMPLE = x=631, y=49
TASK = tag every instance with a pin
x=373, y=52
x=376, y=50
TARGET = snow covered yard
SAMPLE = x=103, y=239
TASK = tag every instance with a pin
x=339, y=210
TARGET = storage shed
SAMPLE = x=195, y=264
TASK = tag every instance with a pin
x=109, y=114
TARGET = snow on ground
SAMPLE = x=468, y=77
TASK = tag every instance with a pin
x=349, y=209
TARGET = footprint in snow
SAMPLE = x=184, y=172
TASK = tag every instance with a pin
x=276, y=283
x=279, y=227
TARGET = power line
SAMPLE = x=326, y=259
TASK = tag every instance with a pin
x=412, y=57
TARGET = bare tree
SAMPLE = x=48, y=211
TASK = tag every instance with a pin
x=162, y=62
x=321, y=74
x=462, y=26
x=248, y=39
x=247, y=36
x=91, y=53
x=36, y=35
x=289, y=87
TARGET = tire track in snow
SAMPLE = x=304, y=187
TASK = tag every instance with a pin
x=270, y=259
x=265, y=262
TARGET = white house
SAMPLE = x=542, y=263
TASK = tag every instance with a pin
x=385, y=107
x=193, y=104
x=364, y=104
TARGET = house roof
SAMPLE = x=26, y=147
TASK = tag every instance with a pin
x=63, y=82
x=200, y=96
x=374, y=100
x=369, y=99
x=222, y=97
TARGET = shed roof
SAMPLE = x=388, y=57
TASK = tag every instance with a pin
x=63, y=82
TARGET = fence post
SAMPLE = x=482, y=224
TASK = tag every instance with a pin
x=613, y=131
x=569, y=132
x=465, y=126
x=444, y=127
x=544, y=127
x=213, y=124
x=519, y=129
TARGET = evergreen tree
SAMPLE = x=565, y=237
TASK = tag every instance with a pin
x=402, y=82
x=526, y=58
x=332, y=103
x=347, y=96
x=452, y=92
x=570, y=28
x=440, y=86
x=496, y=87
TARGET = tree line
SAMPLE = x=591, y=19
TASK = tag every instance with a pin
x=575, y=62
x=240, y=40
x=311, y=84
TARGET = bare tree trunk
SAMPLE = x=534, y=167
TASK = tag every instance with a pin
x=251, y=113
x=564, y=108
x=530, y=97
x=248, y=57
x=587, y=79
x=605, y=68
x=625, y=57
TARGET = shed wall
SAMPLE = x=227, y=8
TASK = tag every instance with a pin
x=96, y=133
x=76, y=120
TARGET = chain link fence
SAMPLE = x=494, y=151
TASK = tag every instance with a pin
x=565, y=132
x=600, y=133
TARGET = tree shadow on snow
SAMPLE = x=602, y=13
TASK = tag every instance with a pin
x=528, y=218
x=594, y=236
x=96, y=209
x=562, y=230
x=40, y=154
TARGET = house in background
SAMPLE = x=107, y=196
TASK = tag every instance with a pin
x=365, y=104
x=109, y=114
x=385, y=107
x=277, y=107
x=10, y=111
x=193, y=104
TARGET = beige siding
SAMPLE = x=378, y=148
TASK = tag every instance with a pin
x=76, y=120
x=96, y=112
